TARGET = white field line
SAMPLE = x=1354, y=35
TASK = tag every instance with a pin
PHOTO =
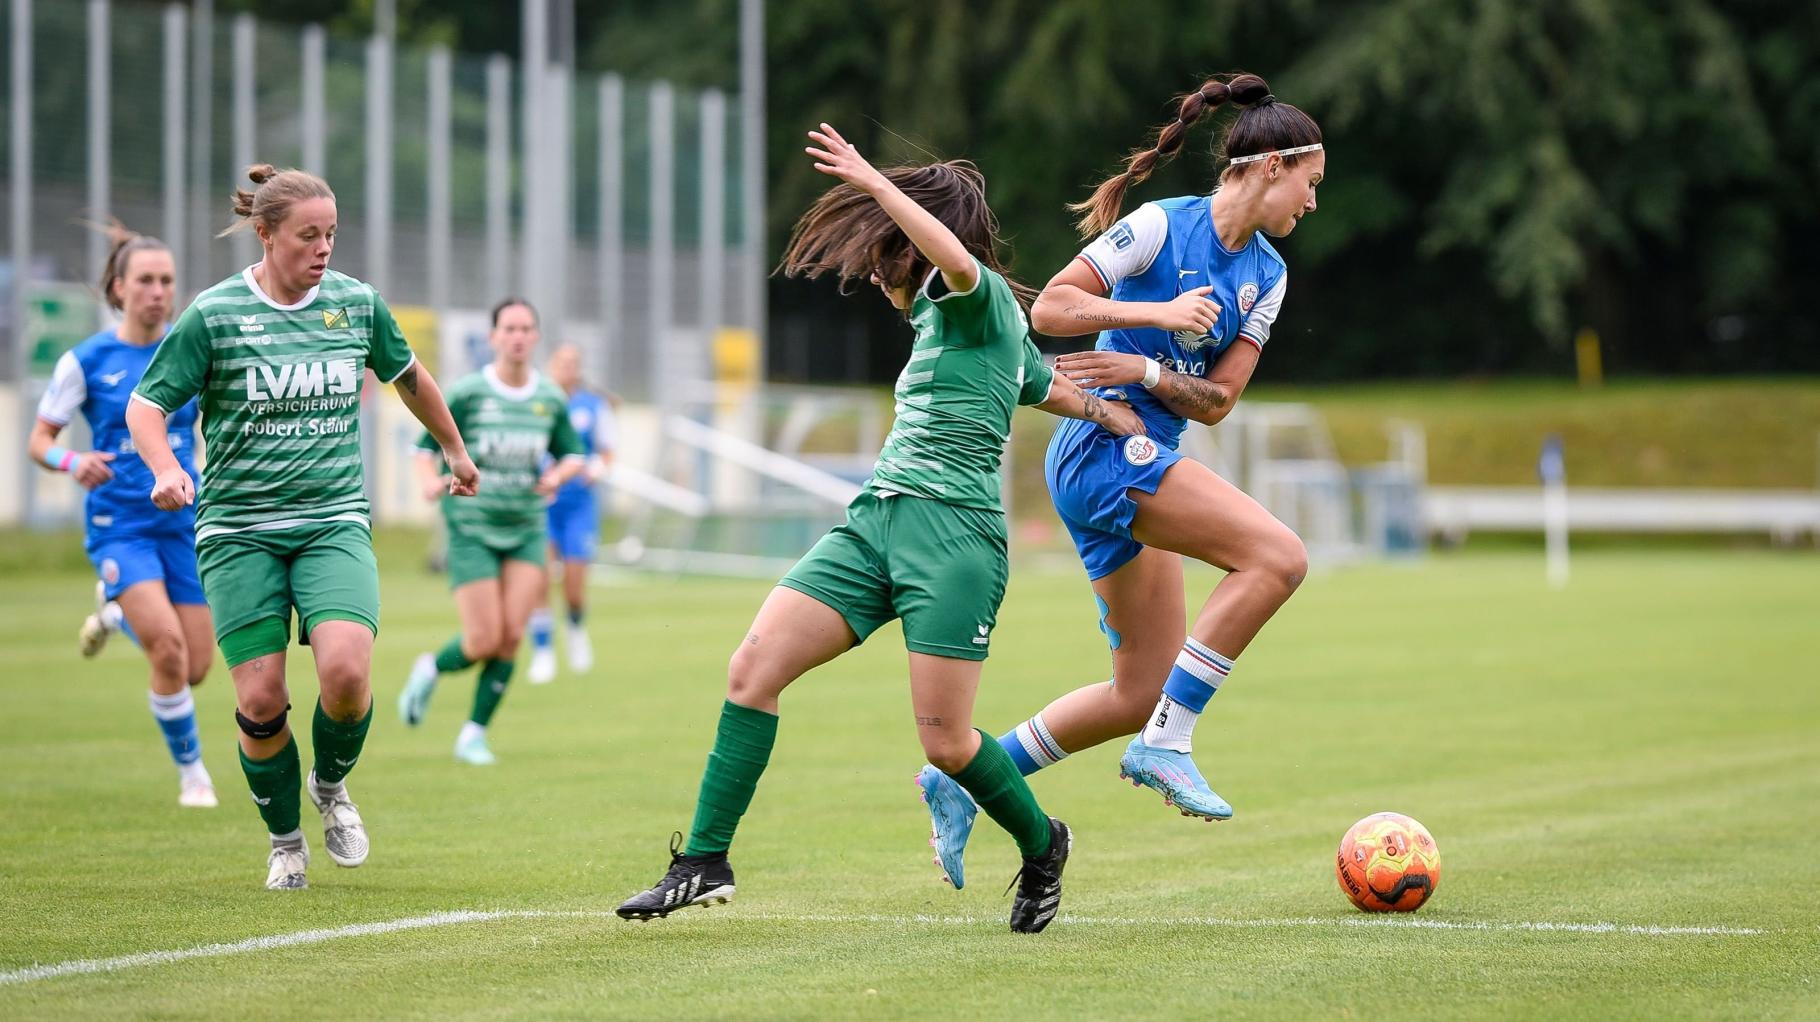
x=85, y=966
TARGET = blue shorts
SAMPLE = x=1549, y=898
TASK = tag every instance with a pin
x=575, y=528
x=125, y=560
x=1090, y=474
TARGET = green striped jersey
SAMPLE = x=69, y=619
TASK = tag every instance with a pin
x=280, y=398
x=507, y=430
x=971, y=364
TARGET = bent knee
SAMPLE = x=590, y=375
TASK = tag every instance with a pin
x=168, y=655
x=1289, y=561
x=261, y=704
x=950, y=753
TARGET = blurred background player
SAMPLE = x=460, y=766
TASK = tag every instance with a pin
x=146, y=559
x=925, y=541
x=511, y=416
x=1183, y=293
x=574, y=519
x=280, y=351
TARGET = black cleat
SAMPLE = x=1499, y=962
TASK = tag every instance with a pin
x=692, y=880
x=1039, y=882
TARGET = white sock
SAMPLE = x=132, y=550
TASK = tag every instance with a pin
x=194, y=773
x=293, y=840
x=1197, y=674
x=469, y=731
x=1171, y=726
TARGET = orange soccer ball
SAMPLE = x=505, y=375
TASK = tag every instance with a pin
x=1388, y=863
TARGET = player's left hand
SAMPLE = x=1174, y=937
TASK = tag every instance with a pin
x=547, y=484
x=1119, y=420
x=464, y=478
x=838, y=158
x=1101, y=368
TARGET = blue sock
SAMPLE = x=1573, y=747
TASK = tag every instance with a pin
x=542, y=628
x=176, y=716
x=1031, y=746
x=1197, y=674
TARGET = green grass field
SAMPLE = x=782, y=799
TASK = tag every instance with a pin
x=1642, y=750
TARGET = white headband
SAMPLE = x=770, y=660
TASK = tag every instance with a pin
x=1236, y=160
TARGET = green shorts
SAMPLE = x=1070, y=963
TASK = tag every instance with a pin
x=939, y=567
x=474, y=560
x=324, y=570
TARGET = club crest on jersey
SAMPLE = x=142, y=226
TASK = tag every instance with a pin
x=334, y=319
x=1140, y=450
x=1248, y=296
x=110, y=571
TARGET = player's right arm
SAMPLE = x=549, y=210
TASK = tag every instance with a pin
x=65, y=394
x=1074, y=301
x=177, y=373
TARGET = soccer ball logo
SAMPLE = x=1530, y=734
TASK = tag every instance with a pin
x=1388, y=863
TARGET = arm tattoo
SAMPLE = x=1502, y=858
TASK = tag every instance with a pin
x=1079, y=310
x=408, y=380
x=928, y=721
x=1191, y=395
x=1092, y=407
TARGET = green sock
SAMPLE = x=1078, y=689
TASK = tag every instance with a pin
x=277, y=785
x=995, y=783
x=490, y=689
x=451, y=658
x=337, y=744
x=742, y=747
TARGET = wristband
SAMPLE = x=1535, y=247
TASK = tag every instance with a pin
x=59, y=460
x=1153, y=373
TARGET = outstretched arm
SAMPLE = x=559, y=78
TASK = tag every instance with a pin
x=423, y=397
x=1069, y=401
x=838, y=158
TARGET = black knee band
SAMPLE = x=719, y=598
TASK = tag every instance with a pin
x=270, y=729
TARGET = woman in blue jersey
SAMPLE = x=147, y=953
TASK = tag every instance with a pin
x=146, y=559
x=1182, y=293
x=574, y=520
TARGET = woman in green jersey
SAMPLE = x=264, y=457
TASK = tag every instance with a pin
x=511, y=416
x=925, y=541
x=277, y=354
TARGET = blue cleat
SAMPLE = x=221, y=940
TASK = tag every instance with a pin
x=1173, y=775
x=951, y=813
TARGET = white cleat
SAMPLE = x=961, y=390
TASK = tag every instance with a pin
x=471, y=748
x=543, y=665
x=286, y=869
x=581, y=651
x=91, y=638
x=344, y=835
x=198, y=795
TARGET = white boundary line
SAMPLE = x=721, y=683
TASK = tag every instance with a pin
x=87, y=966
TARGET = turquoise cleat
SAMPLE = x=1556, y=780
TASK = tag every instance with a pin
x=951, y=813
x=1173, y=775
x=415, y=699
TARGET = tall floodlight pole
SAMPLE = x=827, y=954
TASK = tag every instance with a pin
x=752, y=165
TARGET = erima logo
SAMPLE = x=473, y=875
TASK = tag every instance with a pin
x=343, y=762
x=334, y=319
x=262, y=801
x=982, y=639
x=250, y=325
x=113, y=379
x=301, y=379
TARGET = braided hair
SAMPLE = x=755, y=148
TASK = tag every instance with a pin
x=1263, y=125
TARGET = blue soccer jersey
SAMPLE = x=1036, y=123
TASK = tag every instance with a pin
x=593, y=420
x=1162, y=250
x=97, y=378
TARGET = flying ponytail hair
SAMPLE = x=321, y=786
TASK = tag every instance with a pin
x=1263, y=125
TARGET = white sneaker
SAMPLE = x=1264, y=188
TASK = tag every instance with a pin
x=543, y=665
x=286, y=868
x=91, y=638
x=581, y=651
x=344, y=836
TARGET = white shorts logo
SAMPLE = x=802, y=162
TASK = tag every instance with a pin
x=1140, y=450
x=1248, y=296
